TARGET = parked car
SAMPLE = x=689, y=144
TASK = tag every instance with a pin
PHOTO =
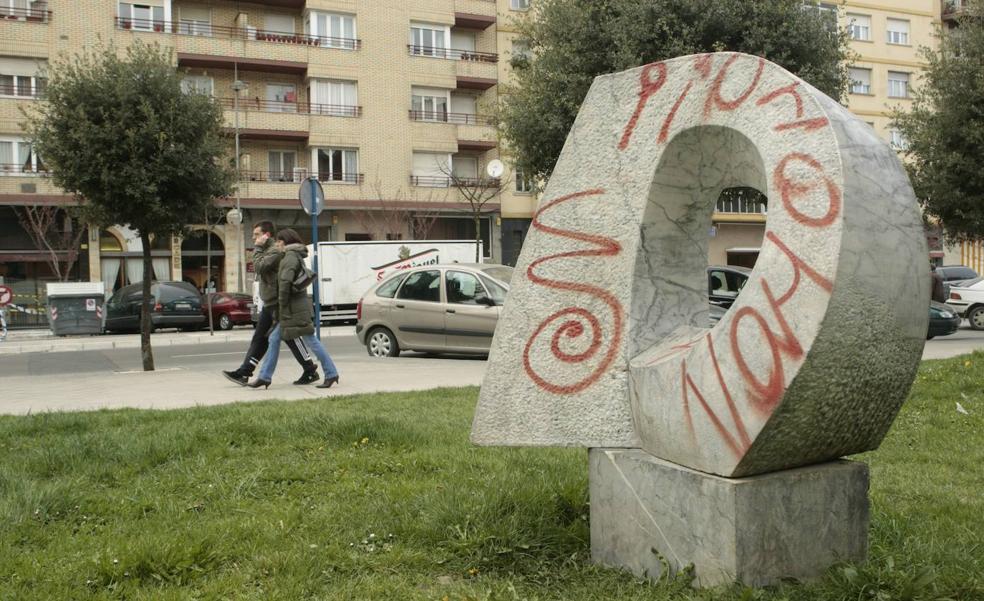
x=954, y=275
x=229, y=309
x=968, y=300
x=724, y=282
x=174, y=305
x=943, y=320
x=450, y=308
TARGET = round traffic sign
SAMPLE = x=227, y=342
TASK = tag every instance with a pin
x=312, y=196
x=6, y=296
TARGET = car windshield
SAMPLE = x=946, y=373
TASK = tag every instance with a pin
x=959, y=273
x=502, y=273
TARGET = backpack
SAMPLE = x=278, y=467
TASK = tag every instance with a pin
x=303, y=279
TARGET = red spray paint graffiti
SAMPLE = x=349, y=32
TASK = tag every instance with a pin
x=647, y=87
x=572, y=320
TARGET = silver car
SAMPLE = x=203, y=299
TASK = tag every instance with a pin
x=435, y=308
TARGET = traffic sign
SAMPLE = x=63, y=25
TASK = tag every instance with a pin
x=6, y=296
x=312, y=196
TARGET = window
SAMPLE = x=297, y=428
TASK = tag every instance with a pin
x=388, y=288
x=281, y=97
x=742, y=200
x=334, y=97
x=195, y=20
x=197, y=84
x=726, y=282
x=143, y=17
x=422, y=286
x=429, y=40
x=277, y=23
x=897, y=140
x=859, y=27
x=519, y=4
x=524, y=185
x=24, y=86
x=336, y=165
x=431, y=169
x=898, y=31
x=898, y=84
x=826, y=11
x=860, y=80
x=335, y=30
x=497, y=292
x=464, y=289
x=521, y=53
x=17, y=156
x=283, y=166
x=429, y=104
x=465, y=169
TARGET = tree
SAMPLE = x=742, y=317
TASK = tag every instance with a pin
x=116, y=130
x=54, y=230
x=571, y=42
x=477, y=193
x=944, y=129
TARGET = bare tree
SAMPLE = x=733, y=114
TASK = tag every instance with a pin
x=55, y=231
x=392, y=214
x=478, y=192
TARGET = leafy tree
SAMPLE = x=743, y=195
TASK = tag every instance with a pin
x=945, y=128
x=115, y=129
x=572, y=42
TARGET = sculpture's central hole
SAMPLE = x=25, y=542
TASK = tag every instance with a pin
x=735, y=239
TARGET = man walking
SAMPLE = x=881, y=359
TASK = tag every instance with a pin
x=266, y=263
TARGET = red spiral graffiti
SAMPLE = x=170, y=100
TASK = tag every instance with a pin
x=573, y=319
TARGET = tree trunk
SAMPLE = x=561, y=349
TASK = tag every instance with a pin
x=478, y=236
x=146, y=352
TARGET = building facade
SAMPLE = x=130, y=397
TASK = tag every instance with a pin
x=389, y=103
x=885, y=36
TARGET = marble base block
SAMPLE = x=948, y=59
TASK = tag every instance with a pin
x=648, y=515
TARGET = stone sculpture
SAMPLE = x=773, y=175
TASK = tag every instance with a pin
x=602, y=341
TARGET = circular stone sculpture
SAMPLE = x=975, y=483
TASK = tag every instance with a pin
x=603, y=340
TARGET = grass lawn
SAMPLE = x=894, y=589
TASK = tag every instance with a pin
x=382, y=497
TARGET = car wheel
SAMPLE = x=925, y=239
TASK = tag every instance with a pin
x=225, y=323
x=380, y=342
x=976, y=318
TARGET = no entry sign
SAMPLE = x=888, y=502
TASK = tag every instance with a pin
x=6, y=295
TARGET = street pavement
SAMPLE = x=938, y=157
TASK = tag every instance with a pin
x=188, y=374
x=39, y=373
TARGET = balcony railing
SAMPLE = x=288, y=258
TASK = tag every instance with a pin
x=34, y=15
x=20, y=169
x=298, y=175
x=429, y=181
x=459, y=118
x=239, y=33
x=20, y=91
x=453, y=54
x=302, y=108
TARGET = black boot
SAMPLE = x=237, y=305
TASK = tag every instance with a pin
x=309, y=376
x=328, y=382
x=236, y=376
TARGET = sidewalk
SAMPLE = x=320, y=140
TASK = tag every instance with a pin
x=42, y=341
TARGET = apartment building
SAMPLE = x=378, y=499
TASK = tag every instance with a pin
x=885, y=36
x=388, y=102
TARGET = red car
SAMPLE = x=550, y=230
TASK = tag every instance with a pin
x=229, y=309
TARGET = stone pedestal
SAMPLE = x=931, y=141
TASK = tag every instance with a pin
x=648, y=515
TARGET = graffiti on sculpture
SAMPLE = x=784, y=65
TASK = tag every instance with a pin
x=605, y=342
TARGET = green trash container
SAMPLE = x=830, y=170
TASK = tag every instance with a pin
x=76, y=308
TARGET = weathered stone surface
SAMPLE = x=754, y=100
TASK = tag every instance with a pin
x=601, y=342
x=794, y=523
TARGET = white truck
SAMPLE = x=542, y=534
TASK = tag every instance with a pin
x=348, y=269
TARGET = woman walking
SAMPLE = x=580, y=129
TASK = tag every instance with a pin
x=294, y=313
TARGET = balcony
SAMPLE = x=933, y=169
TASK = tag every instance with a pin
x=273, y=134
x=456, y=118
x=298, y=175
x=299, y=108
x=453, y=54
x=953, y=8
x=208, y=30
x=430, y=181
x=35, y=14
x=18, y=169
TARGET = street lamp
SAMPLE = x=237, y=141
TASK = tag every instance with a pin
x=238, y=86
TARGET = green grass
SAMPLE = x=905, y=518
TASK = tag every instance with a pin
x=382, y=497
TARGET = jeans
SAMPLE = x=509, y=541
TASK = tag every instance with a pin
x=258, y=345
x=269, y=364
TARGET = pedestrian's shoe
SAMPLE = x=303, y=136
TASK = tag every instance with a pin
x=328, y=382
x=236, y=376
x=259, y=382
x=307, y=377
